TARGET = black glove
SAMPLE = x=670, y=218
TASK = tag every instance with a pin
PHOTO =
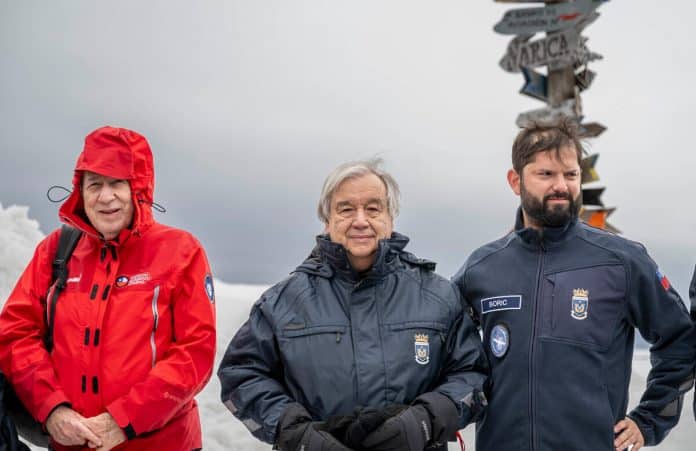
x=365, y=421
x=430, y=421
x=296, y=432
x=411, y=430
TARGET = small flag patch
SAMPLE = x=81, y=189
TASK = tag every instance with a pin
x=663, y=280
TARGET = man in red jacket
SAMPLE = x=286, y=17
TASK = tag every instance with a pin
x=134, y=328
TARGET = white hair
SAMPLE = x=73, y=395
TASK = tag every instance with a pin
x=351, y=170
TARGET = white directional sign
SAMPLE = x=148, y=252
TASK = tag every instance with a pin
x=556, y=51
x=569, y=108
x=553, y=17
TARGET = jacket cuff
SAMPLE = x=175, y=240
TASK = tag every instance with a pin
x=54, y=400
x=117, y=410
x=645, y=429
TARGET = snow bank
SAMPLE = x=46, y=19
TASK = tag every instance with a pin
x=19, y=235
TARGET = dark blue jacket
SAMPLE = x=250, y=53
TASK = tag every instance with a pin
x=692, y=296
x=557, y=312
x=332, y=341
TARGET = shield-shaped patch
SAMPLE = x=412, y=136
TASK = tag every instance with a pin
x=580, y=303
x=422, y=348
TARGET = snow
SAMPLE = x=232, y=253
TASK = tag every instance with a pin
x=19, y=235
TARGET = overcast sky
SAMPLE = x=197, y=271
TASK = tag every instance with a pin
x=249, y=104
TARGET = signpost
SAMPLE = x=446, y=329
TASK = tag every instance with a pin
x=564, y=53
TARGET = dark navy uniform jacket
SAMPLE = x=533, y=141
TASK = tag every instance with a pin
x=692, y=296
x=557, y=311
x=333, y=340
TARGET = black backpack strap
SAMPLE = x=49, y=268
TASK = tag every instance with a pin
x=69, y=236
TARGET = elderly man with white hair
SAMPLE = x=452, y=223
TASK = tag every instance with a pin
x=363, y=346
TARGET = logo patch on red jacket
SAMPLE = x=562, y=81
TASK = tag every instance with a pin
x=121, y=281
x=127, y=281
x=663, y=280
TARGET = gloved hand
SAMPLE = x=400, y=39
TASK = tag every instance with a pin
x=429, y=422
x=411, y=430
x=365, y=421
x=296, y=432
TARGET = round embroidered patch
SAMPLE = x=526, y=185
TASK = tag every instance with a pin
x=499, y=340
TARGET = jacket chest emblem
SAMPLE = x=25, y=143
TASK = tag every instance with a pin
x=422, y=347
x=127, y=281
x=580, y=304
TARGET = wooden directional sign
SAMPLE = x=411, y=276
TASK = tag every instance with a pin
x=535, y=85
x=568, y=108
x=597, y=217
x=587, y=21
x=584, y=79
x=556, y=51
x=589, y=173
x=591, y=130
x=552, y=17
x=591, y=196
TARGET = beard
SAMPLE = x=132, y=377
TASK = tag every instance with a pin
x=547, y=215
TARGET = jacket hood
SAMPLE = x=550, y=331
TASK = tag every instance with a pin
x=328, y=258
x=118, y=153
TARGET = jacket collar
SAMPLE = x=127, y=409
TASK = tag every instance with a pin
x=545, y=236
x=329, y=258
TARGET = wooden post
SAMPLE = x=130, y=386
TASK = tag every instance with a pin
x=561, y=82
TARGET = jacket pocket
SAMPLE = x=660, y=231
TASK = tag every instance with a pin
x=293, y=332
x=584, y=306
x=313, y=355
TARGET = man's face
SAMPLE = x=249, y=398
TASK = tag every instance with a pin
x=108, y=203
x=549, y=188
x=359, y=218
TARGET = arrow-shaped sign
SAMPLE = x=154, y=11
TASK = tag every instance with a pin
x=535, y=84
x=556, y=51
x=554, y=17
x=589, y=173
x=584, y=79
x=598, y=218
x=569, y=108
x=591, y=196
x=591, y=130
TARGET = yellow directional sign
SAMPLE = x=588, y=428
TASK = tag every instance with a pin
x=589, y=173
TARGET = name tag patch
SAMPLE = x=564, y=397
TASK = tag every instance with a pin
x=509, y=302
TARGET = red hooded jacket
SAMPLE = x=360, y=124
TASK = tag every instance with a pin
x=135, y=325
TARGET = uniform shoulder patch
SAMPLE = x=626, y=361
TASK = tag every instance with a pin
x=210, y=288
x=664, y=281
x=499, y=340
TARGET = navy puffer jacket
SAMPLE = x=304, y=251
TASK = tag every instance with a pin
x=333, y=340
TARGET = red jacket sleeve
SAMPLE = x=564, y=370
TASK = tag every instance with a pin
x=186, y=366
x=23, y=356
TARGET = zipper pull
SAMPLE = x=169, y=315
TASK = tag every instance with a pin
x=338, y=337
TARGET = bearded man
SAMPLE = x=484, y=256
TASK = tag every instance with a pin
x=558, y=302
